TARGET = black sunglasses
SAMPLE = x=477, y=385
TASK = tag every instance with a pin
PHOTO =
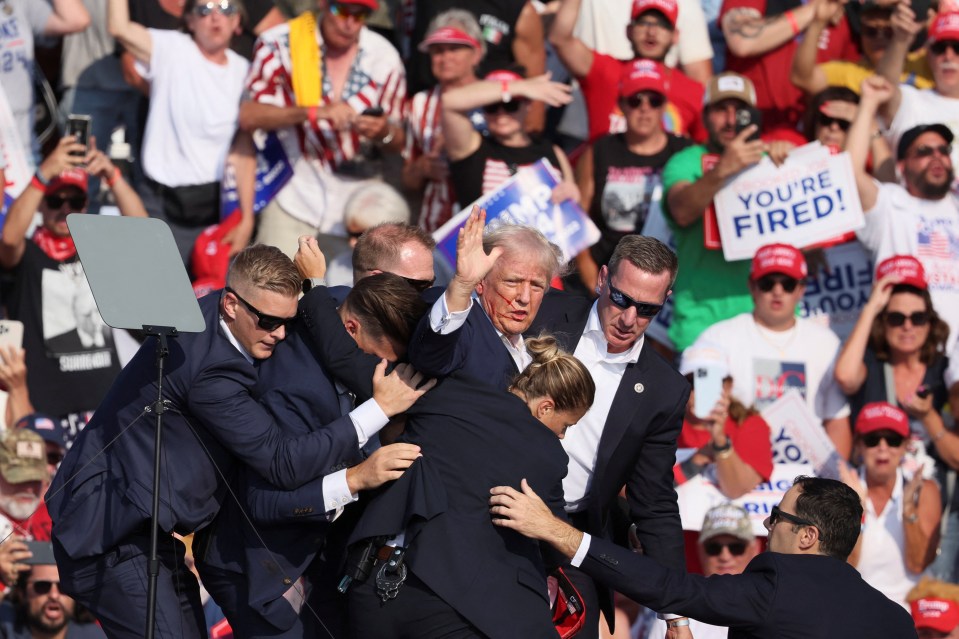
x=75, y=201
x=509, y=107
x=767, y=283
x=876, y=32
x=826, y=121
x=54, y=458
x=893, y=440
x=225, y=7
x=927, y=151
x=43, y=587
x=938, y=48
x=654, y=100
x=776, y=515
x=643, y=309
x=419, y=285
x=714, y=548
x=895, y=318
x=268, y=323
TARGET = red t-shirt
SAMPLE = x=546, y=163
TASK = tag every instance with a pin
x=781, y=103
x=751, y=439
x=682, y=116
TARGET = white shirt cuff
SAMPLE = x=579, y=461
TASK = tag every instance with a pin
x=443, y=321
x=368, y=419
x=336, y=492
x=580, y=555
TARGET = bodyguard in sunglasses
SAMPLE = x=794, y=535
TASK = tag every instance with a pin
x=801, y=588
x=770, y=351
x=900, y=532
x=628, y=437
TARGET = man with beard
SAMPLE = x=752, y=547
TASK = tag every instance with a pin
x=919, y=217
x=38, y=610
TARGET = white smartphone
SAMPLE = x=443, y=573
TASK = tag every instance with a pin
x=708, y=385
x=11, y=333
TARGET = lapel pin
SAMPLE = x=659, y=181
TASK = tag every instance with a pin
x=639, y=388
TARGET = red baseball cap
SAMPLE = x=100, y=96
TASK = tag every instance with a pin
x=907, y=267
x=778, y=258
x=642, y=75
x=945, y=27
x=71, y=177
x=935, y=613
x=882, y=416
x=668, y=8
x=211, y=257
x=372, y=5
x=448, y=35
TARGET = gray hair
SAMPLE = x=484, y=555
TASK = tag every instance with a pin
x=461, y=19
x=647, y=254
x=516, y=239
x=374, y=204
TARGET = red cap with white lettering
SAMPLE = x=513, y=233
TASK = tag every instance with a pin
x=935, y=613
x=908, y=268
x=882, y=416
x=778, y=258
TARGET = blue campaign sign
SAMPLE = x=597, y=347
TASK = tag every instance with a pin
x=273, y=171
x=526, y=199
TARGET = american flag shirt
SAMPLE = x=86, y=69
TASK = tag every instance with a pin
x=424, y=135
x=901, y=224
x=376, y=78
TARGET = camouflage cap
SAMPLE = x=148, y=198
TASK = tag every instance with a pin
x=23, y=457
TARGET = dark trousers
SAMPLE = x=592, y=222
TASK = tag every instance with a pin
x=416, y=613
x=113, y=586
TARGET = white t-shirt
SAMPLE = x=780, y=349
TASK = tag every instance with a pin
x=765, y=364
x=900, y=224
x=924, y=106
x=20, y=21
x=194, y=107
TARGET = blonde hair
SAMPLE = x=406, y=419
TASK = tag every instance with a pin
x=264, y=267
x=556, y=374
x=932, y=588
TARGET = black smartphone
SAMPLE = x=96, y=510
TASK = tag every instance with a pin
x=79, y=126
x=375, y=111
x=746, y=116
x=921, y=9
x=42, y=553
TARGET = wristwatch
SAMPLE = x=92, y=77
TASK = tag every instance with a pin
x=310, y=282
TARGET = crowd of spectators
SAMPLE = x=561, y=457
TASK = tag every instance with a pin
x=386, y=118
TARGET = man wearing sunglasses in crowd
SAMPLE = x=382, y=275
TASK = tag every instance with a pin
x=333, y=90
x=900, y=531
x=628, y=436
x=725, y=546
x=709, y=288
x=801, y=587
x=768, y=350
x=920, y=215
x=101, y=500
x=71, y=356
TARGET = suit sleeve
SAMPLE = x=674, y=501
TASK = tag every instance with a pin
x=439, y=355
x=220, y=399
x=720, y=600
x=650, y=494
x=336, y=349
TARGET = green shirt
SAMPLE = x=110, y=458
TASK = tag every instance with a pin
x=708, y=289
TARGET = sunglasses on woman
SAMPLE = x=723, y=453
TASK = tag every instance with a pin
x=76, y=202
x=509, y=107
x=825, y=121
x=896, y=319
x=893, y=440
x=766, y=283
x=224, y=7
x=714, y=548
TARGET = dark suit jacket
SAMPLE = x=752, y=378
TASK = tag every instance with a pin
x=474, y=352
x=638, y=445
x=213, y=423
x=778, y=596
x=290, y=525
x=472, y=438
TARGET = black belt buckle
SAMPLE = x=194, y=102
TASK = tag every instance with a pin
x=391, y=575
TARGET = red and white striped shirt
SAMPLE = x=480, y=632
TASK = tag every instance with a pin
x=424, y=135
